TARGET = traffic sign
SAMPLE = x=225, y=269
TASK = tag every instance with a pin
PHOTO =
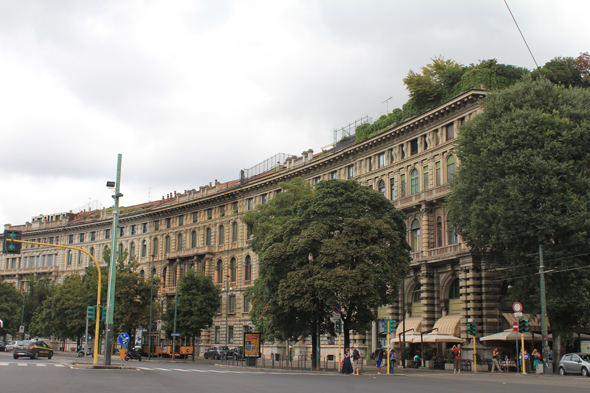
x=335, y=317
x=517, y=314
x=21, y=329
x=1, y=324
x=175, y=334
x=515, y=326
x=123, y=338
x=517, y=307
x=159, y=324
x=337, y=308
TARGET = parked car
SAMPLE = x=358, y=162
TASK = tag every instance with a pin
x=216, y=352
x=2, y=345
x=10, y=346
x=235, y=353
x=575, y=363
x=32, y=349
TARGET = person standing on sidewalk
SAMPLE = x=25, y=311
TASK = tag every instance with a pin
x=391, y=361
x=457, y=361
x=379, y=356
x=495, y=360
x=355, y=360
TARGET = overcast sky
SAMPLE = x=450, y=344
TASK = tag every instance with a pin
x=193, y=91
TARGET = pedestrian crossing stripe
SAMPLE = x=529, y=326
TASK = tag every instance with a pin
x=223, y=371
x=31, y=364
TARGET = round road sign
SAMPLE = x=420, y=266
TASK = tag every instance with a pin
x=123, y=338
x=337, y=308
x=517, y=307
x=515, y=326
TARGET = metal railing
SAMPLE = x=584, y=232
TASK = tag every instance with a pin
x=279, y=362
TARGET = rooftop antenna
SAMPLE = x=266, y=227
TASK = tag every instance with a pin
x=387, y=103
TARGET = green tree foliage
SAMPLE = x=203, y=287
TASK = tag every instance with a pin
x=11, y=302
x=198, y=301
x=564, y=70
x=341, y=243
x=524, y=181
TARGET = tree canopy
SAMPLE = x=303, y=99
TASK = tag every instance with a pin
x=340, y=243
x=10, y=308
x=524, y=181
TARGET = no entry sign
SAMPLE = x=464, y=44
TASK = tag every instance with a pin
x=515, y=326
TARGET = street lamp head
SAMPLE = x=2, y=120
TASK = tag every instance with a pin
x=110, y=184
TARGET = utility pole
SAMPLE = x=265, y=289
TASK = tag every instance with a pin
x=151, y=299
x=22, y=316
x=544, y=344
x=175, y=314
x=226, y=306
x=112, y=268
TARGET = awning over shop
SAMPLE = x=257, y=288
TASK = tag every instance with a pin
x=411, y=323
x=534, y=320
x=410, y=338
x=449, y=325
x=441, y=338
x=510, y=335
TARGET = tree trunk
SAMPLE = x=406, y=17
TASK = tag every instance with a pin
x=558, y=351
x=346, y=332
x=314, y=340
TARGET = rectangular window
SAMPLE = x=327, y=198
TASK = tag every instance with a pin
x=350, y=172
x=209, y=214
x=221, y=211
x=92, y=237
x=81, y=238
x=381, y=160
x=232, y=304
x=168, y=222
x=180, y=221
x=370, y=159
x=450, y=131
x=230, y=334
x=50, y=240
x=333, y=175
x=157, y=225
x=235, y=207
x=144, y=227
x=403, y=186
x=70, y=239
x=217, y=331
x=246, y=306
x=392, y=188
x=49, y=260
x=43, y=260
x=133, y=229
x=107, y=233
x=426, y=180
x=79, y=257
x=122, y=231
x=316, y=180
x=249, y=203
x=195, y=216
x=414, y=146
x=438, y=180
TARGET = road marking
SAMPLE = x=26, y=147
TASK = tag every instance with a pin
x=179, y=369
x=3, y=363
x=59, y=365
x=22, y=364
x=163, y=369
x=41, y=365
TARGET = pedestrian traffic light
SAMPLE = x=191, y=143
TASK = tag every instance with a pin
x=526, y=325
x=9, y=246
x=339, y=326
x=91, y=314
x=103, y=313
x=392, y=326
x=521, y=325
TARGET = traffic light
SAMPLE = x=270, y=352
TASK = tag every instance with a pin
x=91, y=314
x=390, y=326
x=526, y=325
x=472, y=328
x=103, y=313
x=339, y=326
x=521, y=325
x=11, y=247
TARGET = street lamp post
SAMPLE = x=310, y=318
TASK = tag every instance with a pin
x=22, y=316
x=175, y=314
x=151, y=298
x=227, y=289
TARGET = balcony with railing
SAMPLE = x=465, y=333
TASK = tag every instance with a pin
x=439, y=252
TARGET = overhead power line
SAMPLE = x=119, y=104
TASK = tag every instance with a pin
x=518, y=27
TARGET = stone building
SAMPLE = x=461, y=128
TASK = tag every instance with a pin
x=409, y=164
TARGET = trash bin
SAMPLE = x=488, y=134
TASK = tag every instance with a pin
x=539, y=369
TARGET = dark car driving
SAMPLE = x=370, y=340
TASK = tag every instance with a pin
x=2, y=345
x=32, y=349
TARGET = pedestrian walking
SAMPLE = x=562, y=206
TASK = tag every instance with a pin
x=379, y=356
x=495, y=360
x=355, y=356
x=391, y=361
x=346, y=365
x=457, y=361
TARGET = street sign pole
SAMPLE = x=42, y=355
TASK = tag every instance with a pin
x=86, y=336
x=544, y=332
x=339, y=352
x=522, y=352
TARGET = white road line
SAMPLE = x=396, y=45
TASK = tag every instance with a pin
x=163, y=369
x=59, y=365
x=3, y=363
x=22, y=364
x=41, y=365
x=179, y=369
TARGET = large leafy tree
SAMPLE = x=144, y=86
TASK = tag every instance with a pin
x=341, y=243
x=198, y=301
x=524, y=181
x=38, y=289
x=10, y=308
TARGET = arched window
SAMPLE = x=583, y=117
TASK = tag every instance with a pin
x=164, y=273
x=167, y=245
x=454, y=298
x=381, y=187
x=194, y=239
x=450, y=168
x=247, y=269
x=92, y=251
x=415, y=235
x=417, y=301
x=120, y=251
x=232, y=268
x=179, y=242
x=219, y=272
x=132, y=250
x=153, y=272
x=452, y=234
x=221, y=235
x=234, y=232
x=141, y=274
x=414, y=182
x=439, y=232
x=208, y=237
x=143, y=248
x=155, y=249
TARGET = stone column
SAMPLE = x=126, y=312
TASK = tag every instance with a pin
x=424, y=227
x=427, y=289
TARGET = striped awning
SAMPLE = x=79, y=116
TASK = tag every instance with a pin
x=534, y=320
x=411, y=323
x=451, y=325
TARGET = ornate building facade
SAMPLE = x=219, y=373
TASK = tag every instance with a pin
x=409, y=164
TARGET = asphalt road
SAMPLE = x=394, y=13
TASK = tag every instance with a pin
x=59, y=375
